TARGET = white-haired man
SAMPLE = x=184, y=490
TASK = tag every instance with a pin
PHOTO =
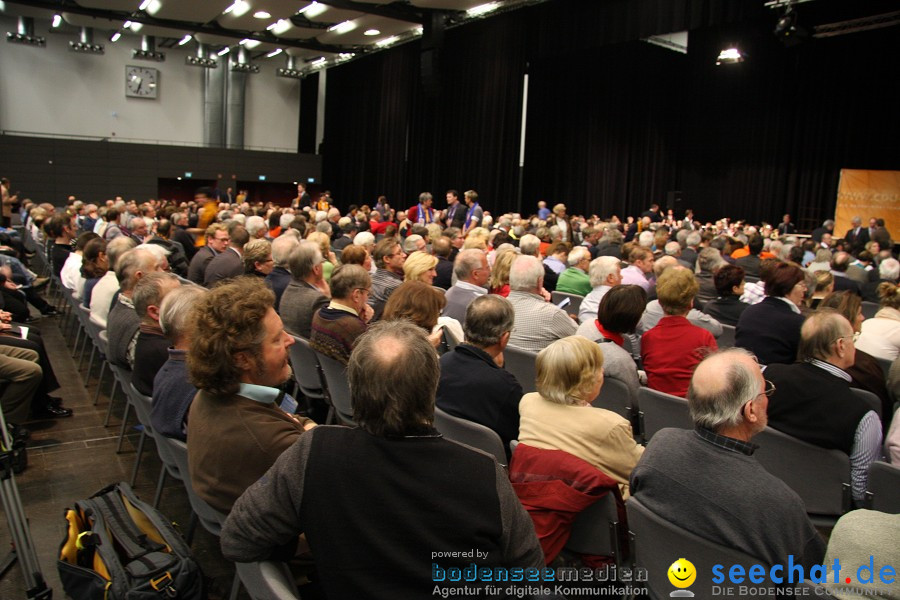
x=538, y=322
x=605, y=273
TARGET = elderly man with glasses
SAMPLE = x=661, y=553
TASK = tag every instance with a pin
x=813, y=401
x=707, y=480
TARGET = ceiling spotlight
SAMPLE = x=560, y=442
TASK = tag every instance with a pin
x=144, y=4
x=482, y=9
x=318, y=61
x=57, y=20
x=274, y=52
x=261, y=14
x=371, y=32
x=115, y=37
x=343, y=27
x=279, y=26
x=185, y=40
x=223, y=51
x=126, y=24
x=238, y=9
x=312, y=10
x=386, y=41
x=729, y=56
x=788, y=31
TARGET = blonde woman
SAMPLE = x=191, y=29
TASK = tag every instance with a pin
x=559, y=416
x=824, y=286
x=257, y=258
x=324, y=242
x=499, y=282
x=420, y=266
x=477, y=238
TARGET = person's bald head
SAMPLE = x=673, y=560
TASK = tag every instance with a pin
x=827, y=335
x=722, y=386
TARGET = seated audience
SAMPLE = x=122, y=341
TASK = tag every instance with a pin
x=442, y=249
x=94, y=265
x=888, y=271
x=499, y=282
x=70, y=275
x=151, y=349
x=706, y=481
x=472, y=503
x=217, y=239
x=824, y=287
x=867, y=374
x=108, y=286
x=771, y=329
x=229, y=262
x=238, y=357
x=813, y=401
x=618, y=315
x=472, y=274
x=639, y=269
x=279, y=278
x=307, y=292
x=880, y=336
x=389, y=258
x=124, y=322
x=172, y=390
x=727, y=307
x=473, y=383
x=257, y=257
x=21, y=374
x=605, y=274
x=709, y=260
x=575, y=279
x=336, y=327
x=856, y=538
x=420, y=266
x=323, y=239
x=672, y=349
x=750, y=262
x=538, y=322
x=559, y=416
x=422, y=304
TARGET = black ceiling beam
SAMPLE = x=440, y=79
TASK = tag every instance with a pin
x=210, y=28
x=395, y=11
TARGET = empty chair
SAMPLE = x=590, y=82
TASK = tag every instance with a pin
x=656, y=544
x=470, y=434
x=521, y=364
x=574, y=301
x=338, y=389
x=659, y=410
x=883, y=489
x=267, y=580
x=820, y=477
x=726, y=340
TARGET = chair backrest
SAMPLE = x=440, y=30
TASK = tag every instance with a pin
x=596, y=529
x=142, y=406
x=885, y=365
x=338, y=389
x=268, y=580
x=306, y=369
x=871, y=399
x=659, y=410
x=520, y=363
x=470, y=434
x=615, y=396
x=103, y=339
x=574, y=301
x=210, y=518
x=869, y=309
x=656, y=543
x=883, y=489
x=820, y=477
x=726, y=340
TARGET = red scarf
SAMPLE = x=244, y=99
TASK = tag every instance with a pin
x=615, y=337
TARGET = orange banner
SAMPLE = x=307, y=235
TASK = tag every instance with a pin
x=868, y=194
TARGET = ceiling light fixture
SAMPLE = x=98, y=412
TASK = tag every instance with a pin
x=261, y=14
x=135, y=27
x=318, y=61
x=482, y=9
x=239, y=8
x=57, y=20
x=386, y=41
x=185, y=40
x=343, y=27
x=729, y=56
x=153, y=7
x=280, y=26
x=144, y=4
x=274, y=52
x=126, y=24
x=371, y=32
x=223, y=51
x=312, y=10
x=115, y=37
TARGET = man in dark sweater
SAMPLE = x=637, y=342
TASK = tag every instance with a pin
x=474, y=385
x=813, y=401
x=151, y=348
x=336, y=327
x=123, y=322
x=707, y=481
x=405, y=491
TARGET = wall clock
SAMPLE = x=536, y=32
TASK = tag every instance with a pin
x=141, y=82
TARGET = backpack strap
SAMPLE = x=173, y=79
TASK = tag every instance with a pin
x=133, y=543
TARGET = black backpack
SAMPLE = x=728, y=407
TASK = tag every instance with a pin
x=118, y=547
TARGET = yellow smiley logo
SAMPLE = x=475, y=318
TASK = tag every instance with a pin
x=682, y=573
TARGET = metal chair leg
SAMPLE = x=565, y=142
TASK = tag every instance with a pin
x=112, y=397
x=100, y=380
x=137, y=459
x=159, y=488
x=124, y=426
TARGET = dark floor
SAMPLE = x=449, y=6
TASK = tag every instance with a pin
x=70, y=459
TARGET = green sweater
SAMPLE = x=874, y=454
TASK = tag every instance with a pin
x=574, y=281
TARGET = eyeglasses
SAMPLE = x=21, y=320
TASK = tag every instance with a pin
x=365, y=290
x=853, y=337
x=770, y=389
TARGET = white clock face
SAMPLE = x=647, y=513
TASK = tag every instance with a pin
x=141, y=82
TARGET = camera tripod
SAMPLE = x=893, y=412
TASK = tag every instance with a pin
x=23, y=547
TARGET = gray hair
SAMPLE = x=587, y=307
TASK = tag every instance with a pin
x=889, y=269
x=364, y=238
x=409, y=246
x=136, y=259
x=577, y=254
x=424, y=196
x=254, y=224
x=393, y=374
x=709, y=260
x=602, y=267
x=645, y=239
x=525, y=273
x=673, y=249
x=285, y=220
x=175, y=311
x=721, y=407
x=693, y=239
x=117, y=247
x=819, y=332
x=347, y=278
x=488, y=317
x=148, y=291
x=466, y=262
x=613, y=235
x=282, y=247
x=529, y=244
x=303, y=259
